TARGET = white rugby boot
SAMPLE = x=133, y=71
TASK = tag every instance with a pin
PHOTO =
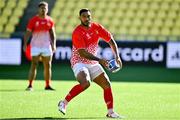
x=114, y=115
x=62, y=107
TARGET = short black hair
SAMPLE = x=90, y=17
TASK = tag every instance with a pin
x=43, y=3
x=83, y=10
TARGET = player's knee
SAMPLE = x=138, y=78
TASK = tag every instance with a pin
x=106, y=85
x=47, y=65
x=85, y=84
x=107, y=82
x=35, y=63
x=84, y=78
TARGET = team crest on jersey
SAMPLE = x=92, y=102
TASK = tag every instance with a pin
x=43, y=22
x=88, y=36
x=37, y=23
x=49, y=24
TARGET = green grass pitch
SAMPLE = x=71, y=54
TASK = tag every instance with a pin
x=136, y=101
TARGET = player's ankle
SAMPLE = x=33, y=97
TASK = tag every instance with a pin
x=65, y=102
x=110, y=110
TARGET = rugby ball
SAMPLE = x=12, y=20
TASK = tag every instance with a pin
x=113, y=66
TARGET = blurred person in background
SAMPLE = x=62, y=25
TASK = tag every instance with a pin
x=86, y=65
x=43, y=44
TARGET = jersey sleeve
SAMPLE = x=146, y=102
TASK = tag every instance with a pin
x=78, y=41
x=52, y=22
x=30, y=25
x=104, y=34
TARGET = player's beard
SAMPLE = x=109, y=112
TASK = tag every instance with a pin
x=86, y=23
x=43, y=13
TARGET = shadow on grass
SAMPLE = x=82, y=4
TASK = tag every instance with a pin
x=12, y=90
x=51, y=118
x=24, y=90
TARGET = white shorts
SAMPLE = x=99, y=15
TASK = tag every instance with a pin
x=92, y=70
x=35, y=51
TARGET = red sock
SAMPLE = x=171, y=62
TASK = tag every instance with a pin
x=30, y=82
x=47, y=83
x=108, y=98
x=74, y=92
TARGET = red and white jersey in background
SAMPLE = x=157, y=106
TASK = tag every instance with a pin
x=40, y=31
x=87, y=38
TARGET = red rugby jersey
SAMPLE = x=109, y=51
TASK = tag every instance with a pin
x=87, y=38
x=40, y=31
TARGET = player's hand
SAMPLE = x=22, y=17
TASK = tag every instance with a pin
x=53, y=48
x=118, y=60
x=24, y=48
x=104, y=62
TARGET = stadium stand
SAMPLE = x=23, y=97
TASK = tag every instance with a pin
x=31, y=10
x=126, y=19
x=11, y=12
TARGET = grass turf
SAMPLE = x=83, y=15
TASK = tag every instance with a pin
x=136, y=101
